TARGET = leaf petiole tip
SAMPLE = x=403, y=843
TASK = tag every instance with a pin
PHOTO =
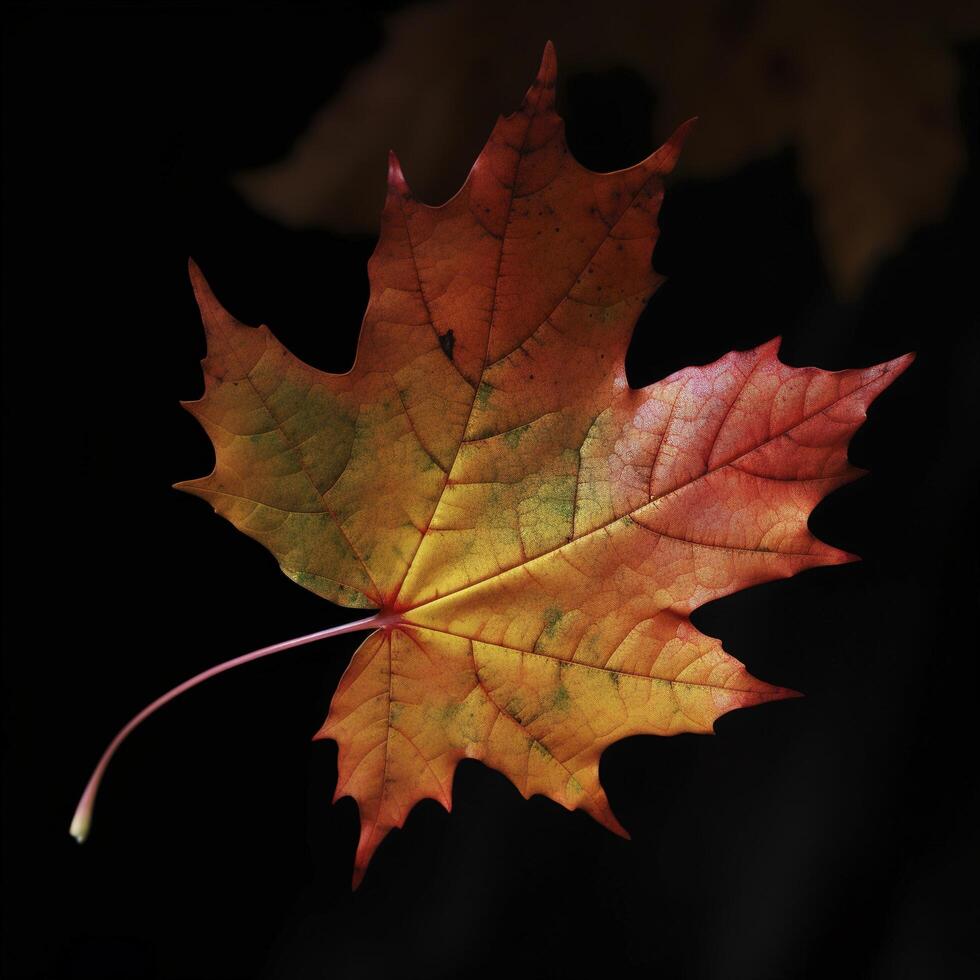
x=82, y=820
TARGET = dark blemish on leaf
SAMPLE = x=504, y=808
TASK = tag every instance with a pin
x=447, y=341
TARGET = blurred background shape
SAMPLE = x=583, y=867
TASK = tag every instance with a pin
x=864, y=93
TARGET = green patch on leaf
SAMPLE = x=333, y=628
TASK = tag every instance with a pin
x=448, y=712
x=483, y=394
x=561, y=700
x=552, y=616
x=512, y=438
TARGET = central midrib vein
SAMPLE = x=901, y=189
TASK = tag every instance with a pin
x=486, y=354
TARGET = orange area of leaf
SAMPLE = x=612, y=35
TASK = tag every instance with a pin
x=484, y=472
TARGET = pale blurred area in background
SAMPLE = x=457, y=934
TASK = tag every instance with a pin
x=864, y=93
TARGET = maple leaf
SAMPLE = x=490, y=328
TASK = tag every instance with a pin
x=533, y=532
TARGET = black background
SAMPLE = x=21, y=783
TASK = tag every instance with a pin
x=829, y=836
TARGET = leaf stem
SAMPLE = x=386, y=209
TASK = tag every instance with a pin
x=82, y=820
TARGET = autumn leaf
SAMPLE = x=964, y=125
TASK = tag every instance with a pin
x=533, y=532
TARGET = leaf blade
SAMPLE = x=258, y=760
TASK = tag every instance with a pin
x=536, y=532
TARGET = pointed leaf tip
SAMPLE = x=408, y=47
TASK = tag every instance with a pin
x=613, y=825
x=206, y=300
x=548, y=69
x=541, y=95
x=396, y=176
x=900, y=364
x=668, y=154
x=216, y=319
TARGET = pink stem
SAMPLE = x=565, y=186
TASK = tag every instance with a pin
x=82, y=820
